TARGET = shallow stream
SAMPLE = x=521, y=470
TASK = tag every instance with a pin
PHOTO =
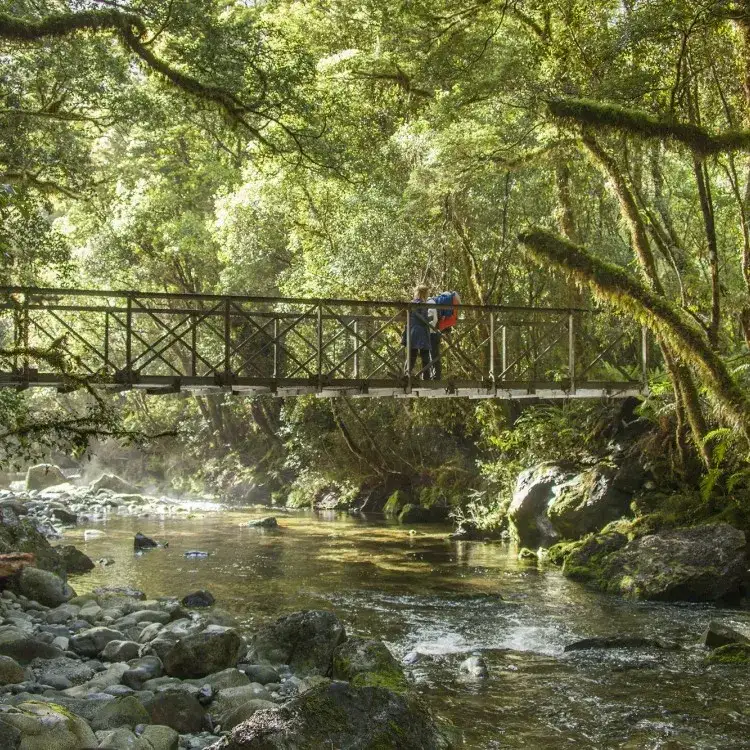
x=446, y=600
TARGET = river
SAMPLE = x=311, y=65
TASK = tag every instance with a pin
x=421, y=592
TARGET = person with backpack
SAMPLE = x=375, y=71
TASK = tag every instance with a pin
x=419, y=334
x=443, y=316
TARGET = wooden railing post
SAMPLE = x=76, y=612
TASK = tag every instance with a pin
x=504, y=352
x=408, y=350
x=492, y=348
x=320, y=346
x=129, y=337
x=645, y=365
x=276, y=347
x=227, y=343
x=572, y=352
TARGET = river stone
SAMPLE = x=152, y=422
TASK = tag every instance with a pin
x=120, y=651
x=700, y=563
x=615, y=641
x=366, y=717
x=41, y=476
x=118, y=739
x=44, y=587
x=127, y=711
x=91, y=642
x=62, y=668
x=46, y=726
x=269, y=522
x=367, y=662
x=303, y=640
x=11, y=672
x=587, y=502
x=90, y=611
x=717, y=634
x=141, y=671
x=179, y=710
x=159, y=738
x=126, y=592
x=260, y=673
x=62, y=614
x=74, y=560
x=23, y=647
x=101, y=681
x=141, y=542
x=204, y=653
x=115, y=484
x=198, y=599
x=533, y=495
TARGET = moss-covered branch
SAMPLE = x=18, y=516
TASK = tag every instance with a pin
x=619, y=289
x=130, y=30
x=599, y=115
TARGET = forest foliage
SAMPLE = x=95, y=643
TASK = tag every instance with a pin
x=557, y=152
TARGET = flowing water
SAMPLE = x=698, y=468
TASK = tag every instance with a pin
x=444, y=600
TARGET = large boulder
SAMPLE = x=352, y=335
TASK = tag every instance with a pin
x=21, y=536
x=588, y=502
x=534, y=493
x=11, y=672
x=41, y=476
x=46, y=726
x=44, y=587
x=700, y=563
x=717, y=634
x=63, y=670
x=303, y=640
x=204, y=653
x=115, y=484
x=337, y=714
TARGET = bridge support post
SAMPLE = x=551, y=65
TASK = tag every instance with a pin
x=320, y=347
x=645, y=364
x=572, y=352
x=408, y=350
x=492, y=353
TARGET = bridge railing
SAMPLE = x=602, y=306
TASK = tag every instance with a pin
x=165, y=342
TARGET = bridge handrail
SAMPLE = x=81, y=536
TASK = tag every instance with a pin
x=53, y=291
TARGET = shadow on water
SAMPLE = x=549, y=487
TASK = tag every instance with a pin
x=443, y=601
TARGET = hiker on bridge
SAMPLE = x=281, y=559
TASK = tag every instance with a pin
x=419, y=334
x=442, y=319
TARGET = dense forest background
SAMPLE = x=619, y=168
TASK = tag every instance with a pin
x=534, y=153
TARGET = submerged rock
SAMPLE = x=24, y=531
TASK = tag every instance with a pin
x=304, y=640
x=617, y=641
x=269, y=522
x=717, y=634
x=473, y=668
x=143, y=542
x=195, y=554
x=337, y=714
x=198, y=599
x=731, y=654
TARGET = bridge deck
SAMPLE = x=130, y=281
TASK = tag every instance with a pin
x=164, y=343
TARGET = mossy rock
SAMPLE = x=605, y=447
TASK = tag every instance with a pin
x=395, y=503
x=586, y=561
x=558, y=553
x=368, y=663
x=411, y=513
x=527, y=554
x=734, y=653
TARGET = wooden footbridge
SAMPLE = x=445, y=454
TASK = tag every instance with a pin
x=164, y=343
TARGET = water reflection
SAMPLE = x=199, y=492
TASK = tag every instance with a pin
x=420, y=592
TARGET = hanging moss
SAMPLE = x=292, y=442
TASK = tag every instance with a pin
x=601, y=115
x=618, y=288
